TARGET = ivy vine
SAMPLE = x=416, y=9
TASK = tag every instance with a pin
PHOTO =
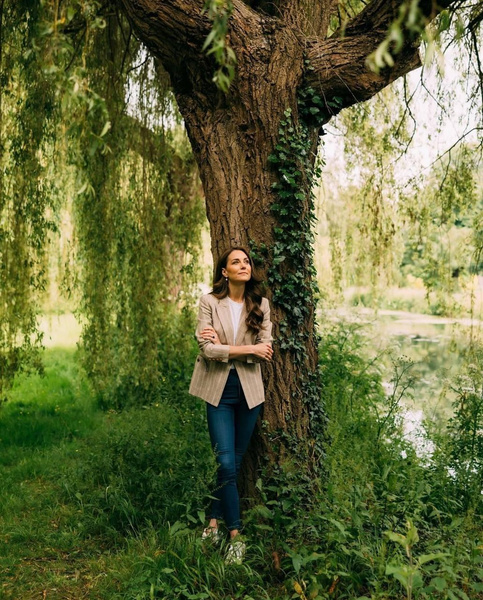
x=292, y=276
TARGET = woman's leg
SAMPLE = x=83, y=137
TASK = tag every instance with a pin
x=221, y=425
x=231, y=425
x=245, y=420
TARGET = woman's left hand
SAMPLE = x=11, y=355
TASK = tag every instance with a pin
x=208, y=333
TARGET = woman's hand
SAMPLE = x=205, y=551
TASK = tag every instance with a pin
x=263, y=351
x=208, y=333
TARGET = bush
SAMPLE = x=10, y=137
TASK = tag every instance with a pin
x=378, y=501
x=150, y=465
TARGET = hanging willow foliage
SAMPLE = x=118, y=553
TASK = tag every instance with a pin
x=122, y=161
x=137, y=217
x=27, y=191
x=424, y=230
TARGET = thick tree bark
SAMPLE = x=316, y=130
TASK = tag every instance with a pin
x=233, y=135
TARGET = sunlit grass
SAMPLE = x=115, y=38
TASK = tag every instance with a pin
x=44, y=410
x=40, y=424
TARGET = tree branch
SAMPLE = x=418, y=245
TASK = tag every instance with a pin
x=340, y=62
x=340, y=69
x=309, y=17
x=175, y=31
x=171, y=29
x=379, y=14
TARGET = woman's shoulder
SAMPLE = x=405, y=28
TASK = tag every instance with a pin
x=208, y=299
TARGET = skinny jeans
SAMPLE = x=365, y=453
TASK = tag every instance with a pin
x=231, y=425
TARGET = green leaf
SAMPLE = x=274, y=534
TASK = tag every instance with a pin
x=297, y=562
x=209, y=39
x=439, y=583
x=444, y=20
x=106, y=128
x=424, y=558
x=412, y=534
x=396, y=537
x=399, y=572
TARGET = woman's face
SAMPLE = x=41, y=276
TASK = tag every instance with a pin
x=238, y=268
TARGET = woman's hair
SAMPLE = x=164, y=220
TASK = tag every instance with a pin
x=253, y=296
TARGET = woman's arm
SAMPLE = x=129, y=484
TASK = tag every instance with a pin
x=261, y=350
x=264, y=336
x=210, y=348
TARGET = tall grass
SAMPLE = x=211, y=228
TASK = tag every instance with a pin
x=109, y=505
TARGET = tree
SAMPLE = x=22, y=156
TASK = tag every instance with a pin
x=297, y=64
x=73, y=142
x=254, y=106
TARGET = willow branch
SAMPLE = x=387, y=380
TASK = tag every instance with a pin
x=340, y=63
x=340, y=69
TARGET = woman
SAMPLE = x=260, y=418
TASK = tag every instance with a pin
x=234, y=336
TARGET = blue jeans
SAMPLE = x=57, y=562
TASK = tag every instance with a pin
x=231, y=425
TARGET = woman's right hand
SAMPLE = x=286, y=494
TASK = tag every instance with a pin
x=208, y=333
x=263, y=351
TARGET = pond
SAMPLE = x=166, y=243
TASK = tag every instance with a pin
x=432, y=347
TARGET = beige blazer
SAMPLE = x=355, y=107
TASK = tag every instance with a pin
x=212, y=366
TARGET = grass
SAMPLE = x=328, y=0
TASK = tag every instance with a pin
x=41, y=427
x=109, y=506
x=87, y=497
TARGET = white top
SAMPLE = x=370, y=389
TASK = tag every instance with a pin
x=236, y=310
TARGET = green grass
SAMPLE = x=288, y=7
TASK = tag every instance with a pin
x=41, y=425
x=87, y=497
x=109, y=506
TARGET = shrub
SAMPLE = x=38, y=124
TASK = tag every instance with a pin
x=145, y=465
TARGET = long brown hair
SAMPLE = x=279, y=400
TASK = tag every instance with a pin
x=253, y=295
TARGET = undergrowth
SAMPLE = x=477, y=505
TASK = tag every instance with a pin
x=111, y=505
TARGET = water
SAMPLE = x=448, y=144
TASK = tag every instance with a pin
x=431, y=351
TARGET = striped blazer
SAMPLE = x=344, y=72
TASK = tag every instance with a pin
x=212, y=366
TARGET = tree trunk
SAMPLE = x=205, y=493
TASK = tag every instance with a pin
x=232, y=141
